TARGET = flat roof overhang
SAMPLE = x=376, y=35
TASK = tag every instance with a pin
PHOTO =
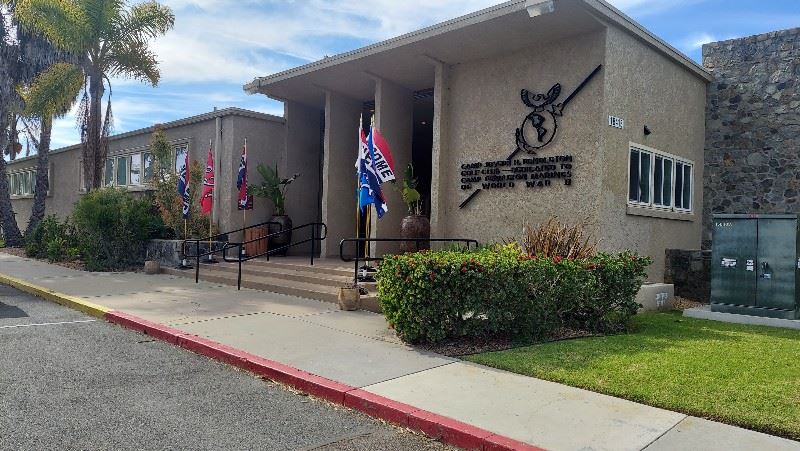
x=408, y=59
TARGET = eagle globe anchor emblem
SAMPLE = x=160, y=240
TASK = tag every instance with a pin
x=540, y=125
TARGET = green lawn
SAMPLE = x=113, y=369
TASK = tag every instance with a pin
x=743, y=375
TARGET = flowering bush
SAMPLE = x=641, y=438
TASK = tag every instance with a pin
x=500, y=290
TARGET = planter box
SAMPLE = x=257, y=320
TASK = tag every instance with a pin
x=168, y=252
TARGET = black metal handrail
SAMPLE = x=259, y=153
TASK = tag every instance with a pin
x=358, y=259
x=211, y=251
x=312, y=226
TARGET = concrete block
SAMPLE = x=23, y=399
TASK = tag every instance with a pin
x=656, y=297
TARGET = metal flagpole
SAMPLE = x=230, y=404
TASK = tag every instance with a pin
x=213, y=195
x=244, y=209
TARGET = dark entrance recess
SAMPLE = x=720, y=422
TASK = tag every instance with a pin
x=422, y=146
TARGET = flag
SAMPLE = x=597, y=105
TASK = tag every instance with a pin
x=375, y=149
x=245, y=201
x=207, y=198
x=183, y=184
x=375, y=165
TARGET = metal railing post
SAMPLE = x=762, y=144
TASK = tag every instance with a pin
x=239, y=277
x=197, y=263
x=313, y=237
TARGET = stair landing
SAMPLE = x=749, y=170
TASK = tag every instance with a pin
x=292, y=276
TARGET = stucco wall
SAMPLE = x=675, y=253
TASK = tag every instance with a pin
x=753, y=124
x=64, y=185
x=484, y=109
x=266, y=141
x=646, y=88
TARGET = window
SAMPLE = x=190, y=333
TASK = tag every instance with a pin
x=148, y=169
x=22, y=183
x=136, y=169
x=659, y=180
x=122, y=171
x=640, y=174
x=109, y=174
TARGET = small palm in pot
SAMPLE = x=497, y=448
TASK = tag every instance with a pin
x=415, y=226
x=274, y=188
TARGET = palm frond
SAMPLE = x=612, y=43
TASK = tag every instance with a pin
x=101, y=15
x=132, y=60
x=142, y=22
x=62, y=22
x=53, y=92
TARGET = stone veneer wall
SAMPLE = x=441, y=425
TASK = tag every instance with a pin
x=690, y=273
x=752, y=159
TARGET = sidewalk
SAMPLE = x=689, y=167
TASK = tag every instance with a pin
x=358, y=350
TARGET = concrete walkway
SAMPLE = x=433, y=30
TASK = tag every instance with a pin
x=358, y=349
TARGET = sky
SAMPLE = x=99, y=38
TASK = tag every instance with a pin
x=219, y=45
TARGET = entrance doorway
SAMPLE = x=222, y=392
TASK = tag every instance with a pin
x=422, y=146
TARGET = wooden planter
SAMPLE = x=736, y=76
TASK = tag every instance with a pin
x=257, y=247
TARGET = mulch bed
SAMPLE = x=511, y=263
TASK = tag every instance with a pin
x=476, y=345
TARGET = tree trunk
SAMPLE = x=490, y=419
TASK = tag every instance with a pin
x=8, y=221
x=93, y=158
x=42, y=176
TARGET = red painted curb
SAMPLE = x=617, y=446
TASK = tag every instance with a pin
x=500, y=443
x=155, y=330
x=378, y=406
x=449, y=430
x=436, y=426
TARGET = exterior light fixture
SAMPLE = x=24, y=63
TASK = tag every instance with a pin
x=538, y=8
x=647, y=131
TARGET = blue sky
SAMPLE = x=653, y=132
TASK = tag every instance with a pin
x=219, y=45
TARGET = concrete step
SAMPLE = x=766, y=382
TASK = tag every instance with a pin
x=324, y=266
x=305, y=275
x=266, y=282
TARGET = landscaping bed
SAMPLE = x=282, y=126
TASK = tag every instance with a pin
x=743, y=375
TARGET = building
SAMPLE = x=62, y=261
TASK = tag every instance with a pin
x=129, y=163
x=512, y=114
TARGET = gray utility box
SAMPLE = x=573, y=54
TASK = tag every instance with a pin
x=754, y=267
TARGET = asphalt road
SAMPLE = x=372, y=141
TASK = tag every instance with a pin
x=68, y=381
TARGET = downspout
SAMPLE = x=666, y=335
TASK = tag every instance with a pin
x=217, y=158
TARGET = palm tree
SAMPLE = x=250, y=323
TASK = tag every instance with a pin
x=44, y=105
x=110, y=40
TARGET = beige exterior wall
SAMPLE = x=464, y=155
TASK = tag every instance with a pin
x=266, y=143
x=482, y=113
x=64, y=185
x=646, y=88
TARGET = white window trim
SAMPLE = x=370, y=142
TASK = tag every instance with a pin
x=32, y=171
x=651, y=177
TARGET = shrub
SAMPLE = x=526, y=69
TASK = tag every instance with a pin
x=53, y=240
x=166, y=197
x=113, y=227
x=553, y=239
x=499, y=290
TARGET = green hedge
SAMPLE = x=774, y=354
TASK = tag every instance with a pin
x=432, y=296
x=52, y=240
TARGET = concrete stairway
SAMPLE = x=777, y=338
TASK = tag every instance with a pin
x=289, y=275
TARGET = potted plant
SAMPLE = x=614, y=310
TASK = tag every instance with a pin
x=415, y=226
x=349, y=297
x=273, y=187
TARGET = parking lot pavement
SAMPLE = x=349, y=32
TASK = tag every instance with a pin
x=68, y=381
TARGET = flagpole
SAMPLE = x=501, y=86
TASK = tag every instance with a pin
x=244, y=210
x=211, y=213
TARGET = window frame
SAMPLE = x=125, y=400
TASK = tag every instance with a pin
x=22, y=183
x=674, y=162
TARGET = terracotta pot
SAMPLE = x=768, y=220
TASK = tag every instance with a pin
x=415, y=226
x=349, y=298
x=283, y=239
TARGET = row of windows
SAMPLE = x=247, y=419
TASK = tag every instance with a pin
x=659, y=180
x=22, y=183
x=136, y=169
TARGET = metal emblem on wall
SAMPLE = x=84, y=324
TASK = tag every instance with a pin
x=538, y=129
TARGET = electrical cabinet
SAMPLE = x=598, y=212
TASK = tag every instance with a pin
x=755, y=263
